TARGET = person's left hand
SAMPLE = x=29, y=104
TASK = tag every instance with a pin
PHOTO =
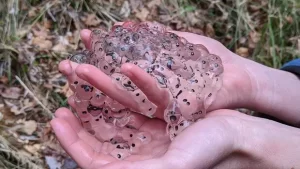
x=225, y=139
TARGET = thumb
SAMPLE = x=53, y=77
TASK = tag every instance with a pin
x=207, y=142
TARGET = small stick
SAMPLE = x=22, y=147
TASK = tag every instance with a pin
x=49, y=113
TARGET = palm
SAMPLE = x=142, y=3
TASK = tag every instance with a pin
x=214, y=130
x=84, y=148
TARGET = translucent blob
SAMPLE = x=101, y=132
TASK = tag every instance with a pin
x=105, y=131
x=84, y=90
x=128, y=84
x=172, y=114
x=114, y=105
x=188, y=71
x=176, y=85
x=98, y=98
x=80, y=57
x=120, y=153
x=188, y=104
x=122, y=122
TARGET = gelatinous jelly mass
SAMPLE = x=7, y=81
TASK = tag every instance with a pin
x=188, y=71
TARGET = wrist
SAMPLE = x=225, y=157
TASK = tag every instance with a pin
x=270, y=144
x=277, y=94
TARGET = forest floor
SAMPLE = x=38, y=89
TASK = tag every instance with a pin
x=35, y=35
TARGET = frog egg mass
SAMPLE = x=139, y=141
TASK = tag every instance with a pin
x=190, y=74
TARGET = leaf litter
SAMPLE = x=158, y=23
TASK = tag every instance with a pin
x=46, y=32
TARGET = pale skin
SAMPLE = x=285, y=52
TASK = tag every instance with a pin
x=224, y=139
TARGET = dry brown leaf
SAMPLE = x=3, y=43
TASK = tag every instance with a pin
x=13, y=107
x=29, y=127
x=165, y=18
x=11, y=93
x=35, y=74
x=125, y=9
x=41, y=31
x=242, y=51
x=254, y=8
x=27, y=103
x=289, y=19
x=23, y=31
x=73, y=37
x=47, y=24
x=3, y=79
x=135, y=4
x=142, y=14
x=192, y=18
x=62, y=45
x=33, y=149
x=153, y=3
x=23, y=5
x=242, y=40
x=32, y=12
x=59, y=48
x=26, y=56
x=91, y=20
x=46, y=132
x=209, y=30
x=16, y=110
x=1, y=114
x=19, y=106
x=255, y=36
x=67, y=90
x=195, y=30
x=42, y=43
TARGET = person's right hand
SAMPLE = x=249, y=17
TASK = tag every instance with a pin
x=246, y=84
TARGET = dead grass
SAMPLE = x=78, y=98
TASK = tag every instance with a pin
x=35, y=35
x=12, y=158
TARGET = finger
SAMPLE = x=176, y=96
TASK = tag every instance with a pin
x=67, y=68
x=85, y=35
x=73, y=145
x=73, y=121
x=81, y=152
x=160, y=97
x=105, y=84
x=67, y=115
x=71, y=102
x=135, y=120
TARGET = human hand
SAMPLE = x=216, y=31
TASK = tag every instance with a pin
x=236, y=79
x=224, y=139
x=85, y=71
x=246, y=84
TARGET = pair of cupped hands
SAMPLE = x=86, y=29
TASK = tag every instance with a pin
x=223, y=139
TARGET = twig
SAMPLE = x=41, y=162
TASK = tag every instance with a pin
x=49, y=113
x=7, y=47
x=49, y=12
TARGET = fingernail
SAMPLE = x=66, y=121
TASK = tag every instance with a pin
x=65, y=67
x=82, y=71
x=127, y=70
x=55, y=125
